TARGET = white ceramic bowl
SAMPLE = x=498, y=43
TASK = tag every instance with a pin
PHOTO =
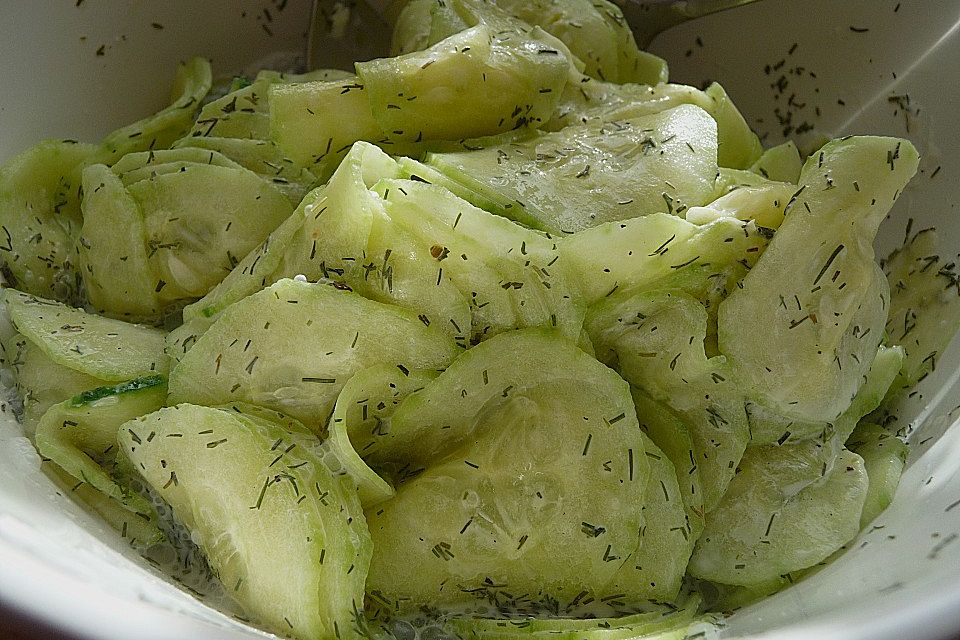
x=846, y=65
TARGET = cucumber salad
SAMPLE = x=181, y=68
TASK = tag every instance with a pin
x=505, y=336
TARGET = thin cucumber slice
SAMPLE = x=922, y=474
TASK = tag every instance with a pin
x=80, y=437
x=787, y=509
x=823, y=299
x=884, y=456
x=532, y=453
x=254, y=496
x=134, y=167
x=106, y=349
x=478, y=82
x=781, y=163
x=764, y=204
x=113, y=249
x=588, y=174
x=924, y=305
x=737, y=146
x=508, y=274
x=246, y=354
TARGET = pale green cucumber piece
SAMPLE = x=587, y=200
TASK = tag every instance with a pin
x=367, y=402
x=201, y=221
x=109, y=350
x=412, y=29
x=786, y=509
x=191, y=83
x=41, y=382
x=264, y=158
x=884, y=456
x=588, y=174
x=663, y=624
x=113, y=249
x=242, y=113
x=134, y=167
x=635, y=254
x=255, y=496
x=404, y=269
x=139, y=532
x=672, y=436
x=532, y=453
x=655, y=340
x=597, y=34
x=478, y=82
x=764, y=204
x=781, y=163
x=80, y=436
x=39, y=217
x=292, y=347
x=822, y=298
x=508, y=274
x=315, y=123
x=767, y=427
x=414, y=170
x=924, y=305
x=655, y=569
x=738, y=147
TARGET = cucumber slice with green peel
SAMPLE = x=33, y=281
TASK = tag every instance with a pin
x=113, y=249
x=41, y=382
x=109, y=350
x=478, y=82
x=787, y=509
x=200, y=221
x=255, y=495
x=134, y=167
x=588, y=174
x=246, y=356
x=656, y=341
x=80, y=437
x=40, y=215
x=781, y=163
x=817, y=285
x=366, y=403
x=924, y=305
x=508, y=274
x=191, y=83
x=656, y=568
x=884, y=456
x=532, y=453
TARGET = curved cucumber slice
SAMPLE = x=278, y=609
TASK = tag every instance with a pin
x=823, y=298
x=255, y=496
x=883, y=458
x=588, y=174
x=466, y=86
x=787, y=509
x=109, y=350
x=781, y=163
x=246, y=354
x=656, y=339
x=80, y=437
x=533, y=454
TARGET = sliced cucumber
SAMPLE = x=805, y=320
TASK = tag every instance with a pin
x=588, y=174
x=246, y=354
x=532, y=453
x=781, y=163
x=255, y=496
x=884, y=456
x=823, y=299
x=787, y=508
x=109, y=350
x=478, y=82
x=80, y=437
